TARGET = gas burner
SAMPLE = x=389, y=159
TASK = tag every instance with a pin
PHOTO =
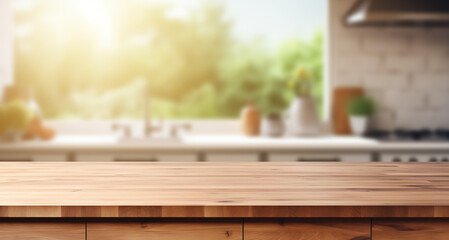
x=402, y=134
x=415, y=135
x=442, y=133
x=378, y=134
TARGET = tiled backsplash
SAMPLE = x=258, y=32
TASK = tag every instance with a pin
x=406, y=70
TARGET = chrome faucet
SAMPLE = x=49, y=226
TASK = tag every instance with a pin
x=149, y=128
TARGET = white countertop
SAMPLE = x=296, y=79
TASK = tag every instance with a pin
x=109, y=143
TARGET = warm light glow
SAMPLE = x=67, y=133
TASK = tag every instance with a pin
x=91, y=59
x=96, y=14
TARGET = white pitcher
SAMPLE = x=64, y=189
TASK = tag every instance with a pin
x=303, y=118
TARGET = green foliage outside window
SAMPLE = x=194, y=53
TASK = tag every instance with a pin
x=194, y=67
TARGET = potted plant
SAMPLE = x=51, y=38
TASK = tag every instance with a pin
x=303, y=115
x=273, y=103
x=360, y=109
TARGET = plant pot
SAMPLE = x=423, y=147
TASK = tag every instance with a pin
x=359, y=125
x=250, y=120
x=303, y=118
x=273, y=126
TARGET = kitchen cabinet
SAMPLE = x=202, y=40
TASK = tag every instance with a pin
x=315, y=157
x=40, y=231
x=410, y=229
x=18, y=157
x=417, y=157
x=151, y=157
x=230, y=229
x=228, y=157
x=206, y=230
x=95, y=157
x=319, y=229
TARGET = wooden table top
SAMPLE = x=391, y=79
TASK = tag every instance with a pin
x=224, y=190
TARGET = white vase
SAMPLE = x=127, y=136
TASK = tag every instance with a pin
x=359, y=125
x=303, y=118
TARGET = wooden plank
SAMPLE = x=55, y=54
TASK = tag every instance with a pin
x=31, y=212
x=166, y=231
x=435, y=229
x=227, y=212
x=341, y=98
x=276, y=190
x=308, y=229
x=40, y=231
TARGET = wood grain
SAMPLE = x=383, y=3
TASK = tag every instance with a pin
x=340, y=118
x=273, y=190
x=40, y=231
x=308, y=230
x=165, y=231
x=410, y=229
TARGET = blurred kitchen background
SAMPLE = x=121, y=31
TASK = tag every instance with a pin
x=356, y=72
x=201, y=59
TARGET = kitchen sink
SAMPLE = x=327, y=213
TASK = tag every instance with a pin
x=150, y=140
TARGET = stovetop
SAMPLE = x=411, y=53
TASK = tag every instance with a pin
x=407, y=135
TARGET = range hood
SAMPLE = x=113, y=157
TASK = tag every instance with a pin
x=398, y=12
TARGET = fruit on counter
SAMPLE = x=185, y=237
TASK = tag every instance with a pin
x=46, y=133
x=36, y=129
x=33, y=129
x=16, y=119
x=14, y=116
x=3, y=125
x=28, y=135
x=17, y=115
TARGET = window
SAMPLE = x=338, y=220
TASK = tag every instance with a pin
x=94, y=59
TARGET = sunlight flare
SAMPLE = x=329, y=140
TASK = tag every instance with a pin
x=96, y=14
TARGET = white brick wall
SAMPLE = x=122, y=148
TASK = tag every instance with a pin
x=405, y=63
x=396, y=81
x=406, y=70
x=363, y=63
x=431, y=81
x=438, y=99
x=423, y=119
x=439, y=63
x=376, y=43
x=405, y=100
